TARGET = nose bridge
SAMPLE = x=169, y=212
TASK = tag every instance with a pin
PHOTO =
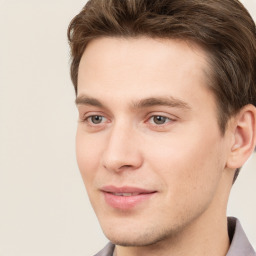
x=121, y=150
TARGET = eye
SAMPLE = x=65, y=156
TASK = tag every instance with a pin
x=159, y=120
x=96, y=119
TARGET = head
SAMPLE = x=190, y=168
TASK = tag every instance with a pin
x=213, y=44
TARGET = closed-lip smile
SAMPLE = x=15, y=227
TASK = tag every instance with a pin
x=126, y=197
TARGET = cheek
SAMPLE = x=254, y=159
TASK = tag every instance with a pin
x=87, y=157
x=188, y=162
x=190, y=174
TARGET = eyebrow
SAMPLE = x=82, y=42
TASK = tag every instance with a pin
x=85, y=100
x=161, y=101
x=144, y=103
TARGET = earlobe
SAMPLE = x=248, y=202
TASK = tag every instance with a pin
x=244, y=137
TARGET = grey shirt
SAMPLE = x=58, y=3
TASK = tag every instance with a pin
x=240, y=245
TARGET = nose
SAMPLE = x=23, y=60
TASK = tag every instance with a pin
x=122, y=150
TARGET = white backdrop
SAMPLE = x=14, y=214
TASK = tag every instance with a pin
x=44, y=210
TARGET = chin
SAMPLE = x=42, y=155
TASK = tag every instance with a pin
x=138, y=238
x=127, y=242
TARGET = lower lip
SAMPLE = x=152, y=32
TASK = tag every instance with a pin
x=126, y=202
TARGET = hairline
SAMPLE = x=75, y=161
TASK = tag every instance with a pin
x=207, y=69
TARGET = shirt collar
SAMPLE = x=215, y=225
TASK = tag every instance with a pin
x=240, y=244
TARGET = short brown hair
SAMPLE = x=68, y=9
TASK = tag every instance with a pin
x=223, y=28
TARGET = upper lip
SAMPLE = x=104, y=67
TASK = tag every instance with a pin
x=126, y=189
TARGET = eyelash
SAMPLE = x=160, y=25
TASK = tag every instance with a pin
x=151, y=120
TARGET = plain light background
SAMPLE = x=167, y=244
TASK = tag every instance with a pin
x=44, y=209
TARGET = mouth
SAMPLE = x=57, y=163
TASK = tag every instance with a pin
x=126, y=198
x=124, y=194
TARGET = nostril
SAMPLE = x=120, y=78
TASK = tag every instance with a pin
x=126, y=166
x=120, y=168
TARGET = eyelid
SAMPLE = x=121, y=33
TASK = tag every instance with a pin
x=86, y=114
x=170, y=120
x=163, y=114
x=84, y=118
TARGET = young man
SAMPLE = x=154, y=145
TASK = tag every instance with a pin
x=166, y=96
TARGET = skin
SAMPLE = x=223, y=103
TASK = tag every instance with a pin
x=181, y=155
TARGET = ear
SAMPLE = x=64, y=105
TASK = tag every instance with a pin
x=243, y=137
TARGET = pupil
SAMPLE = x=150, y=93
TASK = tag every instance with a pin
x=96, y=119
x=159, y=119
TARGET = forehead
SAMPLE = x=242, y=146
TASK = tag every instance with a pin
x=134, y=66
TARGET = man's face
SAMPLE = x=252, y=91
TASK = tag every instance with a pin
x=148, y=143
